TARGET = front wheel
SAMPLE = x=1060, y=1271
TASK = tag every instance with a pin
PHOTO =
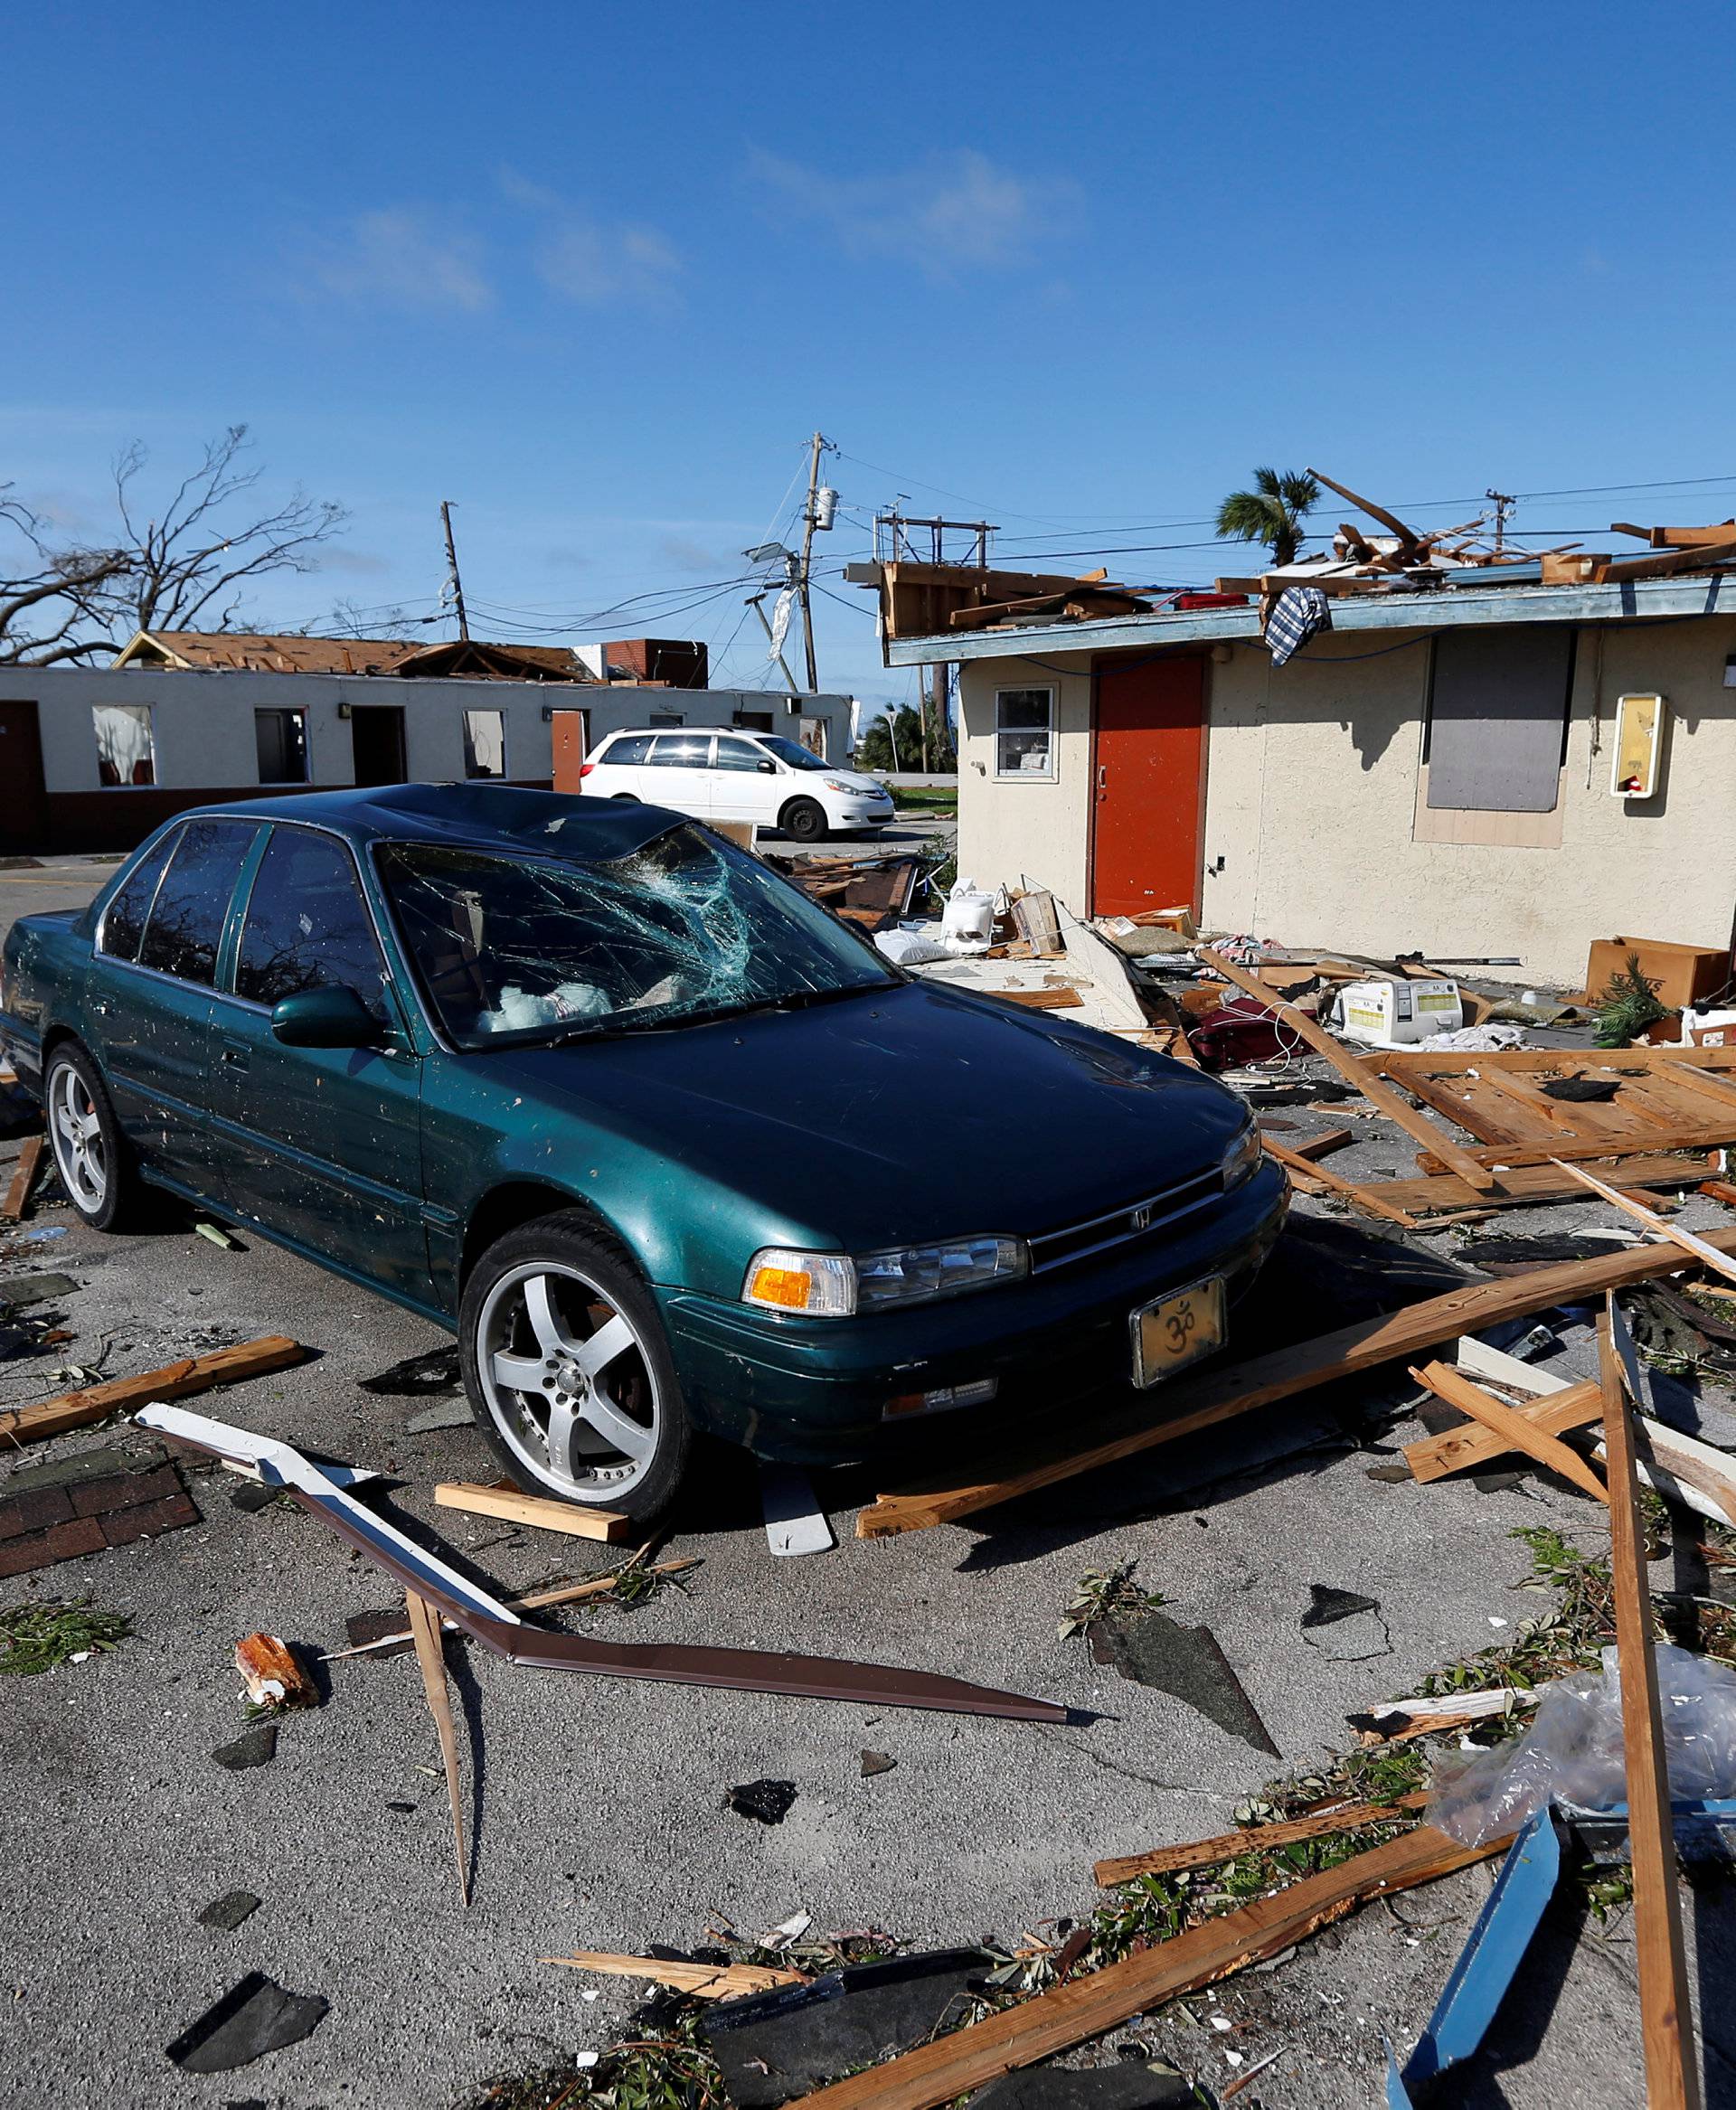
x=90, y=1151
x=568, y=1369
x=804, y=819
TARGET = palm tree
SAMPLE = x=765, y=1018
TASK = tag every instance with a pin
x=1272, y=511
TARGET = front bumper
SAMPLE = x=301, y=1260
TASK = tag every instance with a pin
x=813, y=1391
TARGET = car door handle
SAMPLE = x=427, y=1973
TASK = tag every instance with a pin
x=233, y=1054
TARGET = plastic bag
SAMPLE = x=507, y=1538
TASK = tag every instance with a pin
x=967, y=921
x=910, y=945
x=1572, y=1752
x=519, y=1010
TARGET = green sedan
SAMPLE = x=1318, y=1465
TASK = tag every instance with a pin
x=671, y=1149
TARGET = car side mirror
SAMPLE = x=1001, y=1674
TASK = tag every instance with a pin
x=767, y=768
x=325, y=1018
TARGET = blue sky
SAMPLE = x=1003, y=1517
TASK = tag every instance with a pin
x=594, y=273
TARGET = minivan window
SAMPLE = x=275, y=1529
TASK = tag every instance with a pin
x=631, y=748
x=681, y=751
x=308, y=926
x=186, y=923
x=792, y=751
x=123, y=921
x=738, y=755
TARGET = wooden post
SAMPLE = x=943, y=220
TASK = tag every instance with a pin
x=1666, y=2018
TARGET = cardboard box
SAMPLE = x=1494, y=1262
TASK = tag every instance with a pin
x=1681, y=973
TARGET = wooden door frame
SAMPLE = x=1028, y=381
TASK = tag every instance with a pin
x=1108, y=662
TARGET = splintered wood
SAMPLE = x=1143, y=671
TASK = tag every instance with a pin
x=430, y=1657
x=272, y=1676
x=177, y=1380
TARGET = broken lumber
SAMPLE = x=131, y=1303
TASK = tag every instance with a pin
x=702, y=1980
x=177, y=1381
x=1403, y=1721
x=503, y=1500
x=1549, y=1180
x=1220, y=1395
x=1322, y=1144
x=1038, y=999
x=30, y=1153
x=1707, y=1254
x=1520, y=1433
x=1374, y=1088
x=430, y=1657
x=594, y=1586
x=1083, y=2007
x=1666, y=2018
x=1321, y=1180
x=1204, y=1853
x=1475, y=1443
x=272, y=1676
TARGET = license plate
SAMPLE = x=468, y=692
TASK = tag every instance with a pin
x=1177, y=1330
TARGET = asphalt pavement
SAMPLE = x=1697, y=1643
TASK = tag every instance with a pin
x=597, y=1806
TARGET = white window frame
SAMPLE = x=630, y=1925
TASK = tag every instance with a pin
x=482, y=710
x=133, y=711
x=278, y=710
x=1048, y=775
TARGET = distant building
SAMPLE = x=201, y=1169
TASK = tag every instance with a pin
x=679, y=663
x=451, y=658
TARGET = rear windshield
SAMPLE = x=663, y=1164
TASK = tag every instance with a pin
x=511, y=948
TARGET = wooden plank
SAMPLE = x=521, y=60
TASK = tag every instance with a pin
x=1399, y=1063
x=1517, y=1157
x=1221, y=1394
x=24, y=1181
x=1521, y=1433
x=1702, y=1249
x=1204, y=1853
x=703, y=1981
x=430, y=1657
x=1666, y=2018
x=1321, y=1180
x=1708, y=1083
x=1456, y=1450
x=1549, y=1182
x=1375, y=1092
x=1325, y=1143
x=1037, y=999
x=503, y=1500
x=1083, y=2007
x=175, y=1381
x=1662, y=562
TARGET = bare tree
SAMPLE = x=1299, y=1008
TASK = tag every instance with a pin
x=188, y=569
x=47, y=594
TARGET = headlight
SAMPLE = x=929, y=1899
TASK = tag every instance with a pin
x=831, y=783
x=834, y=1285
x=1241, y=1157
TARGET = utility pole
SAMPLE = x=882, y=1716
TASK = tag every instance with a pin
x=810, y=520
x=1505, y=503
x=452, y=566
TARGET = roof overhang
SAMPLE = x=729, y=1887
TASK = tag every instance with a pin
x=1457, y=608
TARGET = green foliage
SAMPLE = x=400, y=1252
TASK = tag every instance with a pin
x=1271, y=513
x=35, y=1638
x=1102, y=1590
x=1628, y=1005
x=897, y=744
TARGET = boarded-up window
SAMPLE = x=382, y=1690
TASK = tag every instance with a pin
x=1498, y=719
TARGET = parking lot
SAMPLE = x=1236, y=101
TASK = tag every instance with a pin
x=597, y=1805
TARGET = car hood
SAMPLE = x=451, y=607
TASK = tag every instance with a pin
x=907, y=1113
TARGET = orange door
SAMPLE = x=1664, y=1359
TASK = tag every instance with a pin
x=1150, y=786
x=568, y=751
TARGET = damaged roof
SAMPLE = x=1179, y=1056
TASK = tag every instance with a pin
x=263, y=651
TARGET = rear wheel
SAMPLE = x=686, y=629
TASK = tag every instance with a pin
x=89, y=1152
x=805, y=819
x=567, y=1366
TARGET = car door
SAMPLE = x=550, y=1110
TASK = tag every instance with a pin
x=149, y=996
x=678, y=774
x=744, y=782
x=619, y=768
x=321, y=1145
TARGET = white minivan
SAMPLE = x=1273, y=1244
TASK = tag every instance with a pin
x=732, y=776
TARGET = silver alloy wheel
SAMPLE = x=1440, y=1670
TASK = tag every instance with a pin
x=567, y=1380
x=80, y=1156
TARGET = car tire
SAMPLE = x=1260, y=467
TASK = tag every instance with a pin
x=611, y=1434
x=91, y=1158
x=805, y=819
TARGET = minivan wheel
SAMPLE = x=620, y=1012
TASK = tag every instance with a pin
x=90, y=1151
x=805, y=819
x=568, y=1371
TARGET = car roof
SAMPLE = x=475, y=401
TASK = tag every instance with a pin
x=478, y=816
x=736, y=732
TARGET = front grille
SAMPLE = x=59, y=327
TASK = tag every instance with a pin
x=1121, y=1226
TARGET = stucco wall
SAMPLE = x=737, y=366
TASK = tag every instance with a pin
x=1312, y=792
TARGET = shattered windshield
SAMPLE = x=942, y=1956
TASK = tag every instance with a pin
x=687, y=928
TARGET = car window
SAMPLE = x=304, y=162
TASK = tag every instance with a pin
x=123, y=921
x=680, y=751
x=308, y=926
x=793, y=752
x=630, y=750
x=738, y=755
x=187, y=921
x=513, y=948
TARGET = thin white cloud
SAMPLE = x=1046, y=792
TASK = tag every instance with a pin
x=950, y=215
x=401, y=257
x=596, y=262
